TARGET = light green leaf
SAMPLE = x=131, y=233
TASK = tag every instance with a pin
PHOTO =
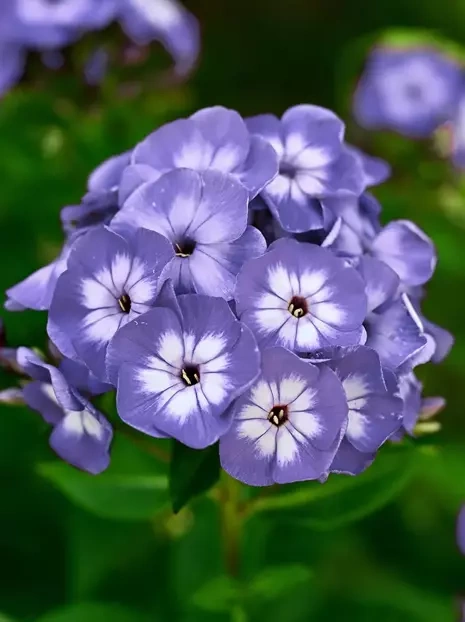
x=135, y=486
x=276, y=581
x=94, y=612
x=343, y=499
x=193, y=471
x=218, y=595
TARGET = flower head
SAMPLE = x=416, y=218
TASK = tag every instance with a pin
x=211, y=139
x=411, y=91
x=204, y=216
x=287, y=427
x=179, y=367
x=109, y=281
x=301, y=296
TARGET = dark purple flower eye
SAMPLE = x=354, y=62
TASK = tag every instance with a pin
x=124, y=302
x=190, y=375
x=278, y=415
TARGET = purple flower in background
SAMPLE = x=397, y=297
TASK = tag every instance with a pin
x=12, y=62
x=110, y=280
x=211, y=139
x=100, y=203
x=81, y=435
x=375, y=413
x=313, y=164
x=205, y=218
x=288, y=426
x=411, y=91
x=166, y=21
x=301, y=296
x=456, y=128
x=179, y=368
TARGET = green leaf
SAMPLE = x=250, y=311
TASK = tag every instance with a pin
x=218, y=595
x=135, y=486
x=4, y=618
x=274, y=582
x=343, y=499
x=94, y=612
x=193, y=472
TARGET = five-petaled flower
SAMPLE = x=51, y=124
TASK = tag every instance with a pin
x=302, y=297
x=288, y=426
x=179, y=367
x=110, y=280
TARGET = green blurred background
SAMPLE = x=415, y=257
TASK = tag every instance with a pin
x=79, y=549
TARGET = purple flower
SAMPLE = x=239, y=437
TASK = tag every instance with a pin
x=36, y=291
x=81, y=378
x=179, y=368
x=81, y=435
x=406, y=249
x=374, y=169
x=166, y=21
x=313, y=164
x=288, y=426
x=213, y=138
x=396, y=333
x=100, y=203
x=375, y=413
x=109, y=282
x=411, y=91
x=301, y=296
x=204, y=215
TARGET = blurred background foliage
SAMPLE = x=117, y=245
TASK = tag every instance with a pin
x=381, y=546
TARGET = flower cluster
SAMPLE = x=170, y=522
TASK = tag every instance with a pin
x=47, y=27
x=230, y=279
x=413, y=91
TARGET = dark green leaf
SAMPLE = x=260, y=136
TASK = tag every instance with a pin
x=274, y=582
x=135, y=486
x=343, y=499
x=193, y=471
x=218, y=595
x=94, y=612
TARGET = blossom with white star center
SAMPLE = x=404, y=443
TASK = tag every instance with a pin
x=289, y=424
x=205, y=218
x=302, y=297
x=179, y=367
x=110, y=281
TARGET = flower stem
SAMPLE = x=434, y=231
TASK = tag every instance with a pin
x=231, y=525
x=231, y=522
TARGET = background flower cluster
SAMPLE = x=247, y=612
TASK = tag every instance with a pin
x=47, y=27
